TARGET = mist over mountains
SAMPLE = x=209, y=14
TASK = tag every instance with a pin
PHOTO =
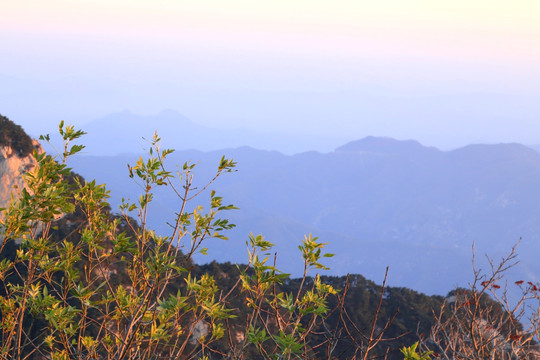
x=377, y=201
x=122, y=133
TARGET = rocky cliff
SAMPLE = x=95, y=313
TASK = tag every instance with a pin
x=16, y=158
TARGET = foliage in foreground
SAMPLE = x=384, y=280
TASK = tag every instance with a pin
x=79, y=283
x=484, y=322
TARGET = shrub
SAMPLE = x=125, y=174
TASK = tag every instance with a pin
x=79, y=283
x=483, y=323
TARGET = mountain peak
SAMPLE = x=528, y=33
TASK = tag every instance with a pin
x=385, y=145
x=169, y=113
x=498, y=152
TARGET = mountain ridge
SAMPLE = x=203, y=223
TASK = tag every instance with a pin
x=385, y=145
x=430, y=206
x=122, y=132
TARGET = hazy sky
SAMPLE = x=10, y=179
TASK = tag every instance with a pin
x=446, y=73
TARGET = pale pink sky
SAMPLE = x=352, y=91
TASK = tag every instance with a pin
x=271, y=64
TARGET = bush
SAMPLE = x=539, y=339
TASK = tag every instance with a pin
x=483, y=323
x=79, y=283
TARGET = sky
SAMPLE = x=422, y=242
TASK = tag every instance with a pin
x=446, y=73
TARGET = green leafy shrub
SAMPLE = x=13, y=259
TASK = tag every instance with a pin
x=410, y=353
x=77, y=282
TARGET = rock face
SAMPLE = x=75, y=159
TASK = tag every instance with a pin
x=15, y=159
x=11, y=169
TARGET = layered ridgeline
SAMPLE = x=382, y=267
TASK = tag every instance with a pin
x=125, y=130
x=377, y=201
x=51, y=309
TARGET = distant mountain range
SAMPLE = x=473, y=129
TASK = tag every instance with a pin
x=377, y=201
x=123, y=133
